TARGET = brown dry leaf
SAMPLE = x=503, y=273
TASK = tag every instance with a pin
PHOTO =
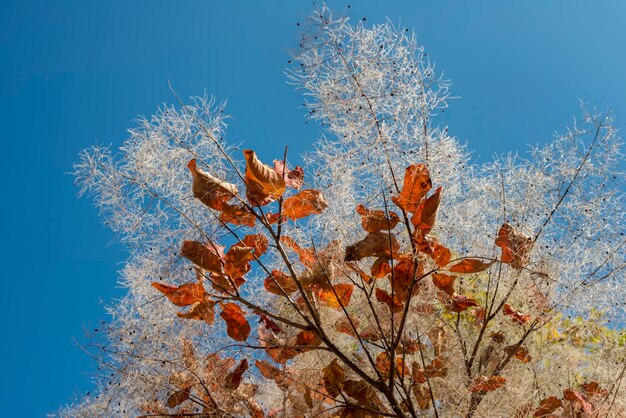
x=515, y=246
x=257, y=241
x=422, y=395
x=383, y=364
x=487, y=383
x=375, y=244
x=380, y=268
x=211, y=191
x=579, y=400
x=377, y=220
x=209, y=256
x=366, y=277
x=237, y=326
x=293, y=178
x=184, y=295
x=547, y=406
x=224, y=284
x=307, y=255
x=277, y=280
x=460, y=303
x=469, y=265
x=416, y=184
x=178, y=397
x=343, y=325
x=202, y=311
x=237, y=215
x=517, y=316
x=362, y=392
x=519, y=352
x=336, y=297
x=233, y=379
x=593, y=389
x=426, y=214
x=436, y=368
x=394, y=304
x=268, y=370
x=444, y=282
x=333, y=376
x=237, y=261
x=263, y=184
x=270, y=324
x=307, y=202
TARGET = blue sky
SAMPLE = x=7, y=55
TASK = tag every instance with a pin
x=75, y=73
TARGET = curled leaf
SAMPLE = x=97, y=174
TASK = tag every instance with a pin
x=278, y=280
x=469, y=265
x=375, y=244
x=307, y=202
x=184, y=295
x=202, y=311
x=237, y=261
x=416, y=184
x=515, y=246
x=377, y=220
x=293, y=178
x=579, y=400
x=517, y=316
x=237, y=326
x=211, y=191
x=460, y=303
x=178, y=397
x=263, y=184
x=209, y=256
x=394, y=304
x=426, y=214
x=333, y=376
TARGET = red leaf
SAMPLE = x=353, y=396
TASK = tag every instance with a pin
x=233, y=379
x=375, y=244
x=237, y=326
x=444, y=282
x=460, y=303
x=211, y=191
x=333, y=376
x=184, y=295
x=520, y=318
x=209, y=256
x=593, y=389
x=376, y=220
x=307, y=202
x=487, y=384
x=257, y=241
x=270, y=324
x=469, y=265
x=416, y=184
x=263, y=184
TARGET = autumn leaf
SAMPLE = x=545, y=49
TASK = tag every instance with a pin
x=307, y=202
x=337, y=296
x=380, y=268
x=333, y=376
x=267, y=369
x=426, y=214
x=517, y=316
x=263, y=184
x=343, y=325
x=376, y=220
x=269, y=323
x=364, y=393
x=210, y=190
x=444, y=282
x=178, y=397
x=278, y=280
x=578, y=399
x=225, y=284
x=375, y=244
x=515, y=246
x=593, y=389
x=257, y=241
x=184, y=295
x=469, y=265
x=209, y=256
x=416, y=184
x=237, y=261
x=293, y=178
x=364, y=276
x=436, y=368
x=394, y=304
x=519, y=352
x=487, y=384
x=233, y=379
x=237, y=326
x=422, y=395
x=383, y=364
x=306, y=255
x=459, y=303
x=237, y=215
x=306, y=340
x=547, y=406
x=202, y=311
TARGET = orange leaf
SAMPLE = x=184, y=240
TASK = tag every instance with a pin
x=440, y=254
x=375, y=244
x=436, y=368
x=268, y=370
x=361, y=391
x=578, y=399
x=338, y=297
x=515, y=246
x=394, y=304
x=237, y=326
x=422, y=395
x=293, y=178
x=224, y=284
x=366, y=277
x=380, y=268
x=208, y=256
x=593, y=389
x=383, y=364
x=444, y=282
x=519, y=352
x=460, y=303
x=237, y=261
x=263, y=184
x=333, y=376
x=307, y=202
x=178, y=397
x=426, y=214
x=487, y=384
x=233, y=379
x=202, y=311
x=469, y=265
x=307, y=255
x=416, y=184
x=237, y=215
x=277, y=280
x=547, y=406
x=343, y=325
x=376, y=220
x=258, y=242
x=184, y=295
x=520, y=318
x=211, y=191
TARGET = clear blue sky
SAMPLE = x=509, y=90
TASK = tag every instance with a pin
x=74, y=73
